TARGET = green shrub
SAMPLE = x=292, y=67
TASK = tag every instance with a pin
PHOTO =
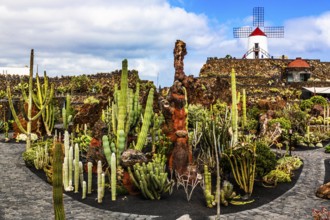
x=29, y=156
x=306, y=104
x=252, y=125
x=91, y=100
x=266, y=159
x=285, y=123
x=327, y=148
x=318, y=100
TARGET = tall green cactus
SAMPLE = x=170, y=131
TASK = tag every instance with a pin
x=113, y=177
x=244, y=109
x=67, y=112
x=234, y=118
x=76, y=168
x=146, y=121
x=29, y=100
x=122, y=98
x=57, y=183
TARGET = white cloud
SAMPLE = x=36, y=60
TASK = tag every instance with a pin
x=76, y=37
x=306, y=37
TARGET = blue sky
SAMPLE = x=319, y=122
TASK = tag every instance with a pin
x=72, y=37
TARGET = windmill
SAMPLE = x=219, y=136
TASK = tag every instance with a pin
x=257, y=35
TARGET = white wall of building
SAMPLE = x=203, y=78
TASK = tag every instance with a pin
x=263, y=45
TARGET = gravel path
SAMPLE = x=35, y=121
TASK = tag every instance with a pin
x=24, y=196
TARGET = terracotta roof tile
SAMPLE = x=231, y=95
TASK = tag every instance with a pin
x=298, y=63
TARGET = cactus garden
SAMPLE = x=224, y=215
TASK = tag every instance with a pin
x=204, y=146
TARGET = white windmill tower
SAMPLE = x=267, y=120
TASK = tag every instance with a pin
x=258, y=35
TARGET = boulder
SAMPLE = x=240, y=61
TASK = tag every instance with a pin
x=323, y=191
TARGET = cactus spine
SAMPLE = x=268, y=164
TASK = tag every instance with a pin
x=113, y=176
x=234, y=107
x=146, y=121
x=29, y=101
x=89, y=174
x=57, y=183
x=76, y=168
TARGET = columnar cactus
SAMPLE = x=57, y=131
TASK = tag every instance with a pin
x=76, y=168
x=83, y=190
x=234, y=107
x=89, y=174
x=244, y=109
x=67, y=112
x=99, y=182
x=146, y=121
x=113, y=176
x=106, y=148
x=57, y=183
x=70, y=166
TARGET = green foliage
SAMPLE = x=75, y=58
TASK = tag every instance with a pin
x=80, y=83
x=306, y=105
x=219, y=108
x=284, y=122
x=266, y=159
x=274, y=90
x=29, y=156
x=196, y=113
x=319, y=100
x=327, y=149
x=283, y=171
x=83, y=140
x=91, y=100
x=252, y=124
x=3, y=94
x=253, y=113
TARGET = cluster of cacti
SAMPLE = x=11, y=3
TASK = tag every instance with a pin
x=42, y=158
x=67, y=113
x=125, y=111
x=29, y=100
x=40, y=99
x=242, y=159
x=151, y=178
x=57, y=182
x=209, y=197
x=227, y=193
